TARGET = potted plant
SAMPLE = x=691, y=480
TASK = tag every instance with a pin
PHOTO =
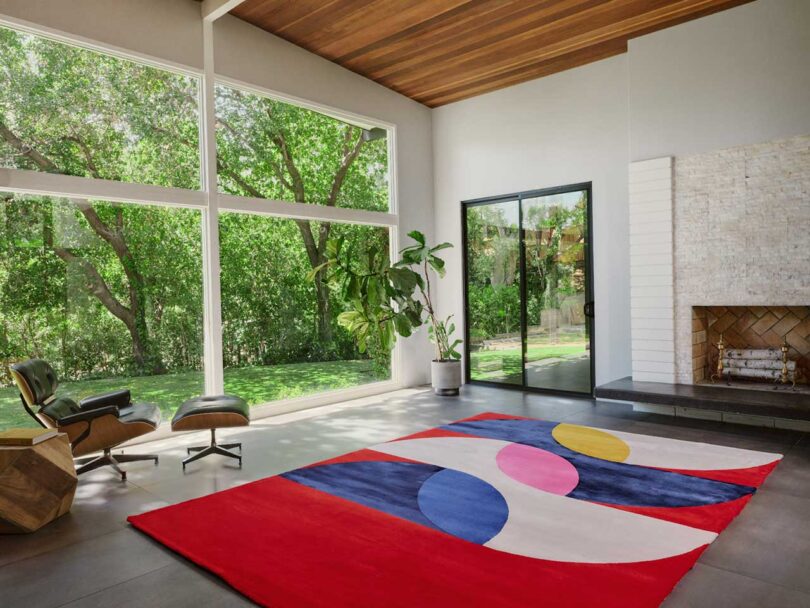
x=387, y=300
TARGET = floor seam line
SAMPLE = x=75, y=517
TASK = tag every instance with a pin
x=755, y=578
x=92, y=593
x=84, y=540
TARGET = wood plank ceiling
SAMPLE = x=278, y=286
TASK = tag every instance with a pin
x=441, y=51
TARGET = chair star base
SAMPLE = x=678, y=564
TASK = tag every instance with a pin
x=112, y=460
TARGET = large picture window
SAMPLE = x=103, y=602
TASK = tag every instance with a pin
x=270, y=149
x=118, y=279
x=110, y=295
x=280, y=333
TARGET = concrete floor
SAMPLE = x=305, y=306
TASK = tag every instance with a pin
x=92, y=558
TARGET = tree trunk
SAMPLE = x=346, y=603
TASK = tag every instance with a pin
x=352, y=144
x=134, y=317
x=325, y=333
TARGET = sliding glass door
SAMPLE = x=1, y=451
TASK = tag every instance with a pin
x=528, y=290
x=493, y=292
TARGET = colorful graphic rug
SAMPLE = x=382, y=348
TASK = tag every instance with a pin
x=493, y=510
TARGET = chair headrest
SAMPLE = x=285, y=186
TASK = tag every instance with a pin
x=39, y=377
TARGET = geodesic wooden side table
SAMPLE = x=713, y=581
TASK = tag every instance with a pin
x=37, y=484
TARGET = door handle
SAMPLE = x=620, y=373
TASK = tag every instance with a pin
x=588, y=309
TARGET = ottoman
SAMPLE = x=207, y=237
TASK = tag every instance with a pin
x=213, y=412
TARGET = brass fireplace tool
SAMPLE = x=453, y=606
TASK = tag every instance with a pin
x=718, y=375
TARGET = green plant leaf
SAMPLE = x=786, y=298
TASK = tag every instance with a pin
x=417, y=236
x=403, y=325
x=403, y=279
x=437, y=264
x=441, y=246
x=313, y=273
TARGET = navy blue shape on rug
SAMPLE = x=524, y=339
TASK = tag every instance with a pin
x=605, y=481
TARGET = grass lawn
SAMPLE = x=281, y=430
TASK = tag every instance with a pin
x=505, y=364
x=255, y=384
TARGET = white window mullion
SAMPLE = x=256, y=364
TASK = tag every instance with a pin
x=304, y=211
x=214, y=9
x=212, y=300
x=69, y=186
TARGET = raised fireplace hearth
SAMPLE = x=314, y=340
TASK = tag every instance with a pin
x=763, y=346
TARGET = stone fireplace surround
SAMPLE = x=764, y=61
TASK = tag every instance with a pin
x=729, y=228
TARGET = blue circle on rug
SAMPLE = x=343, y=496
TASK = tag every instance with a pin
x=463, y=505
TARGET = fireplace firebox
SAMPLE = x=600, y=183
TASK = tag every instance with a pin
x=751, y=346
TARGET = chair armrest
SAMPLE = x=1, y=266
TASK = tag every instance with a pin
x=88, y=415
x=117, y=398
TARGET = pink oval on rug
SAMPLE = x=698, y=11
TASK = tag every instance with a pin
x=538, y=468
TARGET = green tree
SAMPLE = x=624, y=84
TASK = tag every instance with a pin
x=269, y=149
x=72, y=111
x=68, y=110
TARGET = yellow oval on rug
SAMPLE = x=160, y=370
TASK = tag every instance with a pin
x=591, y=442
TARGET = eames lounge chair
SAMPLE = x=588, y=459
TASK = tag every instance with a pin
x=97, y=423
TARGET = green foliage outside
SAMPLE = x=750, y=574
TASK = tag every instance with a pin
x=105, y=290
x=505, y=364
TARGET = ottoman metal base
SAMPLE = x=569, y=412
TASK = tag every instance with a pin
x=223, y=449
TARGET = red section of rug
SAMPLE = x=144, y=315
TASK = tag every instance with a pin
x=283, y=544
x=714, y=518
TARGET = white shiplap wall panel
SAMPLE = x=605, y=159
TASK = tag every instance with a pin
x=651, y=276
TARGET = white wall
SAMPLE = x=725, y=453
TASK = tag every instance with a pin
x=563, y=129
x=737, y=77
x=170, y=30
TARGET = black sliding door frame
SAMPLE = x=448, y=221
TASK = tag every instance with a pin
x=589, y=297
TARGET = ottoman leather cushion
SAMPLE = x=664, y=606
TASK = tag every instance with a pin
x=211, y=412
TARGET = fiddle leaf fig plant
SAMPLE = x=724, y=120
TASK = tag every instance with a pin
x=389, y=300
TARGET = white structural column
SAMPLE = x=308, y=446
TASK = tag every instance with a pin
x=214, y=9
x=651, y=270
x=214, y=379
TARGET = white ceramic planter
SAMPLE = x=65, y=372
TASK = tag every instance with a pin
x=445, y=377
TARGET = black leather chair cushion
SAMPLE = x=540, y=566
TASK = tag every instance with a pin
x=120, y=398
x=61, y=407
x=140, y=412
x=218, y=404
x=39, y=376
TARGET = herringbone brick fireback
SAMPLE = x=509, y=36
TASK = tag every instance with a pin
x=750, y=327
